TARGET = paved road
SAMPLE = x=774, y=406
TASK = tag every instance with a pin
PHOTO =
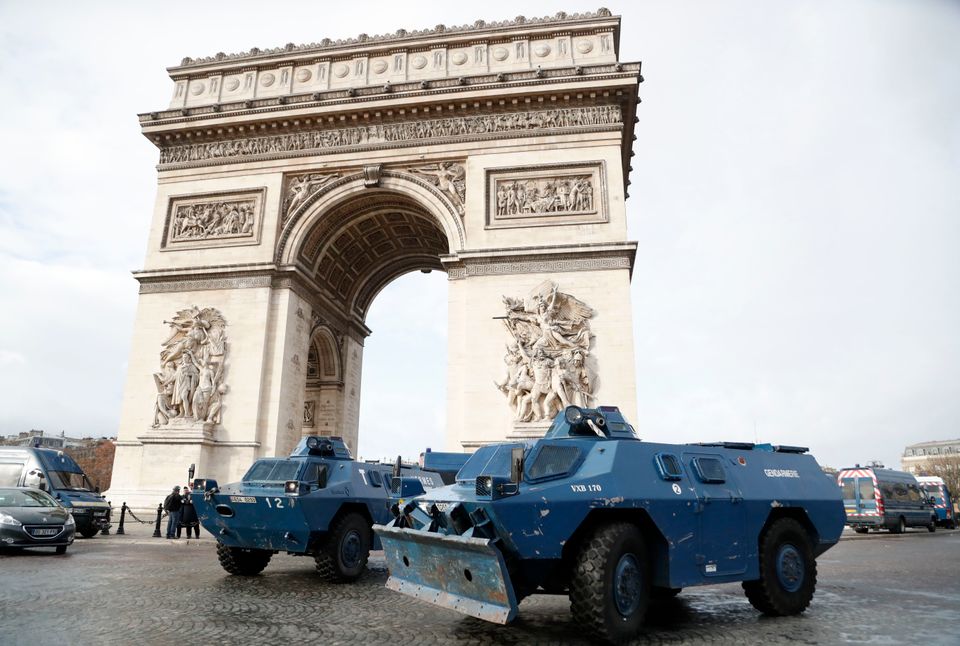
x=876, y=589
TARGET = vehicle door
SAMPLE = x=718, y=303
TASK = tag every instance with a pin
x=11, y=472
x=722, y=516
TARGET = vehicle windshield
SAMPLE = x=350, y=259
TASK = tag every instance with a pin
x=934, y=491
x=69, y=480
x=25, y=498
x=487, y=461
x=273, y=471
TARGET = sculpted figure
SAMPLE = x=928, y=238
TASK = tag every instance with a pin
x=189, y=383
x=303, y=187
x=449, y=178
x=547, y=364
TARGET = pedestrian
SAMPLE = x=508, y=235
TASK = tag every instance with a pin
x=172, y=504
x=188, y=515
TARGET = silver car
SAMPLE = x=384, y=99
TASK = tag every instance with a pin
x=32, y=518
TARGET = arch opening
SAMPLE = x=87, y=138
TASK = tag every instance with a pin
x=352, y=248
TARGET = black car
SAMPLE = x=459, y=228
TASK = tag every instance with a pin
x=31, y=518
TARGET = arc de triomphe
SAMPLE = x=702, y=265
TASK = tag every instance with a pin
x=295, y=183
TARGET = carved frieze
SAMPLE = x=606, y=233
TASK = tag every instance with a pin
x=549, y=365
x=546, y=195
x=393, y=134
x=190, y=384
x=214, y=220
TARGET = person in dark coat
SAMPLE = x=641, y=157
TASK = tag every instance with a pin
x=188, y=515
x=172, y=504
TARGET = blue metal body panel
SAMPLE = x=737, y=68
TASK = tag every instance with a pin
x=264, y=514
x=706, y=508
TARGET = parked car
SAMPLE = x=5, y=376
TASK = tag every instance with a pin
x=32, y=518
x=942, y=500
x=884, y=499
x=59, y=475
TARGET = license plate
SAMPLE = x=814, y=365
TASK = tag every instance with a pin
x=249, y=499
x=100, y=514
x=46, y=532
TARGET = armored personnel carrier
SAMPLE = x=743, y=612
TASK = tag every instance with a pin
x=318, y=502
x=592, y=512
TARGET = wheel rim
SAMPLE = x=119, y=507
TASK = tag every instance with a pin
x=350, y=549
x=790, y=568
x=627, y=585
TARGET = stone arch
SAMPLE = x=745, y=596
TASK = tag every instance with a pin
x=352, y=239
x=323, y=389
x=430, y=198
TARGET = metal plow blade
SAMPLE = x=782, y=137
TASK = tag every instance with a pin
x=468, y=575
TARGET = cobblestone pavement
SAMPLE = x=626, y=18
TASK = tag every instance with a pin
x=877, y=589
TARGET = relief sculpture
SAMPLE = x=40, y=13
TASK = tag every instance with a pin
x=570, y=195
x=301, y=188
x=190, y=382
x=549, y=364
x=393, y=133
x=449, y=177
x=213, y=220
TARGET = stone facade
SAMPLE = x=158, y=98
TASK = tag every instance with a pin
x=294, y=184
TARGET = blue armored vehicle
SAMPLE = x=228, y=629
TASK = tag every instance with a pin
x=317, y=502
x=592, y=512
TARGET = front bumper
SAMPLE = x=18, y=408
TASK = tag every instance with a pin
x=11, y=536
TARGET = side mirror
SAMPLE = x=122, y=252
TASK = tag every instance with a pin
x=516, y=465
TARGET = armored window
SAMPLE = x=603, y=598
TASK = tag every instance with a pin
x=310, y=475
x=669, y=466
x=552, y=460
x=709, y=470
x=376, y=480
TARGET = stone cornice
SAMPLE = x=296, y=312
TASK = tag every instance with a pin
x=354, y=98
x=250, y=276
x=401, y=37
x=544, y=259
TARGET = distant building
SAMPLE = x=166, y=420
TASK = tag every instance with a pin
x=40, y=439
x=916, y=456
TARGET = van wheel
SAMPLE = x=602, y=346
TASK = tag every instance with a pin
x=788, y=570
x=242, y=561
x=344, y=556
x=901, y=526
x=610, y=588
x=932, y=527
x=861, y=530
x=89, y=532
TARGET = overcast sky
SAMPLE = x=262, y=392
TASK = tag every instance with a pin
x=795, y=198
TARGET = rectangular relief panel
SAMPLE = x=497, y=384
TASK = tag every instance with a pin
x=226, y=219
x=546, y=195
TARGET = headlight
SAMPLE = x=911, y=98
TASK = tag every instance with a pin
x=7, y=519
x=70, y=521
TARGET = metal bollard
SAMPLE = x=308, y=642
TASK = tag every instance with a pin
x=156, y=531
x=123, y=513
x=106, y=528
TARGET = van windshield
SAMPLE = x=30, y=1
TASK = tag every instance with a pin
x=69, y=480
x=934, y=491
x=273, y=471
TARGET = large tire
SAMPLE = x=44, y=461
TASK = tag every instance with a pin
x=343, y=557
x=242, y=561
x=788, y=570
x=88, y=531
x=900, y=527
x=861, y=530
x=932, y=527
x=610, y=587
